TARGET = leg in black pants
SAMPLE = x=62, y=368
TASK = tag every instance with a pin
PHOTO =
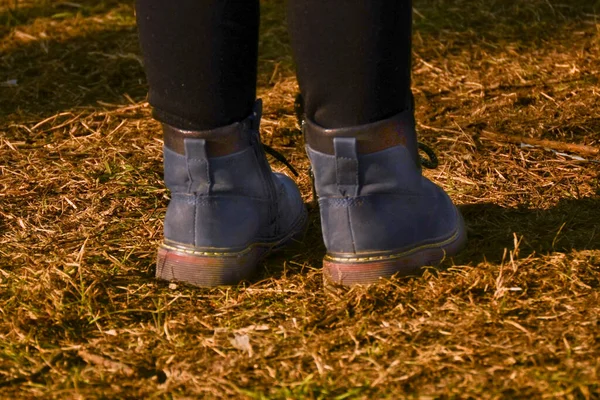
x=200, y=59
x=353, y=60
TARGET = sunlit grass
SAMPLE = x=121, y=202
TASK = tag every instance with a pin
x=82, y=201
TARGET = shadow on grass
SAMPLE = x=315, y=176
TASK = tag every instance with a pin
x=493, y=22
x=98, y=61
x=299, y=257
x=105, y=65
x=58, y=76
x=26, y=13
x=571, y=225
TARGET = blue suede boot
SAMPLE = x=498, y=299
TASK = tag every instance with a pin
x=379, y=215
x=228, y=209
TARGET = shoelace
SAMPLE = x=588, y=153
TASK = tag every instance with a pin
x=431, y=161
x=280, y=157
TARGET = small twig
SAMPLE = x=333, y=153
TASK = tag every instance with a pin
x=446, y=130
x=52, y=118
x=105, y=362
x=551, y=144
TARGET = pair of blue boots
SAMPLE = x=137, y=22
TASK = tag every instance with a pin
x=380, y=217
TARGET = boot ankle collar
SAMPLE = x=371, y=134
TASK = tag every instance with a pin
x=370, y=138
x=219, y=141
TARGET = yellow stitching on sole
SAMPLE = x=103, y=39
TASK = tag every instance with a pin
x=269, y=246
x=392, y=256
x=210, y=253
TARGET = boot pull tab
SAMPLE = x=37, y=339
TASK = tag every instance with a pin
x=197, y=166
x=346, y=166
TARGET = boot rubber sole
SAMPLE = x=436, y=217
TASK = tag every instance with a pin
x=357, y=270
x=207, y=268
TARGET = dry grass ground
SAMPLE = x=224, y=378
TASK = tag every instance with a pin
x=516, y=315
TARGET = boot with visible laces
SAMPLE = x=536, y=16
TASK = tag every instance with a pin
x=379, y=215
x=228, y=210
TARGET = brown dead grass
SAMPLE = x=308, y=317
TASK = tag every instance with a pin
x=82, y=201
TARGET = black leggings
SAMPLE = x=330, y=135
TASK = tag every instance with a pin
x=353, y=59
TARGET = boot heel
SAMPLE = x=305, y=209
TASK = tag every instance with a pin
x=367, y=270
x=207, y=269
